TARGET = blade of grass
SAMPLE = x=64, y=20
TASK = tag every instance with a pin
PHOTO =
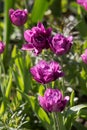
x=8, y=90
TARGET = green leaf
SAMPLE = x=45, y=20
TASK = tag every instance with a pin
x=78, y=107
x=39, y=8
x=41, y=89
x=32, y=101
x=19, y=80
x=18, y=67
x=72, y=99
x=22, y=63
x=43, y=115
x=83, y=113
x=28, y=98
x=72, y=114
x=8, y=89
x=2, y=108
x=83, y=74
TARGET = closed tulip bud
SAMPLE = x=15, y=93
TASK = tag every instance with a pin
x=18, y=17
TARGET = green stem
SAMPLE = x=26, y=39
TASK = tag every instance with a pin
x=21, y=28
x=56, y=126
x=22, y=34
x=58, y=121
x=54, y=122
x=63, y=88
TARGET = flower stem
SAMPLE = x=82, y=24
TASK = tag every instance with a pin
x=63, y=88
x=56, y=126
x=59, y=121
x=22, y=34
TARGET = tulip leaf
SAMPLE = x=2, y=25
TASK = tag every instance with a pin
x=78, y=107
x=8, y=89
x=2, y=108
x=72, y=114
x=41, y=89
x=43, y=116
x=72, y=99
x=40, y=6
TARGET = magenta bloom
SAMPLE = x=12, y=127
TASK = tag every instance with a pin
x=84, y=57
x=2, y=47
x=45, y=72
x=18, y=17
x=61, y=45
x=53, y=100
x=38, y=38
x=83, y=3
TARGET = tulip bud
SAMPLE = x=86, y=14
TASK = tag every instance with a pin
x=18, y=17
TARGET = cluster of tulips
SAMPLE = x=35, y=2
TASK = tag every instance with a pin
x=38, y=38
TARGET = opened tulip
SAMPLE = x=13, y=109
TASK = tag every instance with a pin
x=45, y=72
x=60, y=44
x=18, y=17
x=53, y=100
x=38, y=38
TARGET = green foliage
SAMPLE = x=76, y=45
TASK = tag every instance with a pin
x=72, y=114
x=22, y=76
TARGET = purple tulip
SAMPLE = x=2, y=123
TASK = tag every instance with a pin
x=61, y=45
x=84, y=57
x=2, y=47
x=18, y=17
x=53, y=100
x=38, y=37
x=83, y=3
x=45, y=72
